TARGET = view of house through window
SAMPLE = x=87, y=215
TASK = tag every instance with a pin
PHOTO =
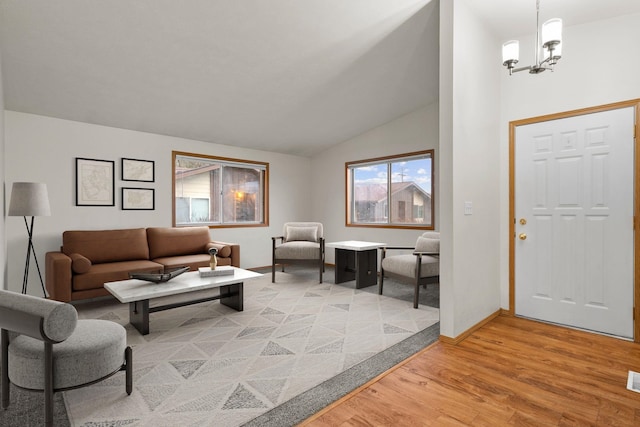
x=391, y=191
x=217, y=191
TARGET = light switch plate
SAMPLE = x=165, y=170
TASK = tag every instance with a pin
x=468, y=208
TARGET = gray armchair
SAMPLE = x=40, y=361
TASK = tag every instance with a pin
x=422, y=267
x=45, y=347
x=300, y=242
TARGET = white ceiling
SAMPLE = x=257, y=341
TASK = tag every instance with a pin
x=290, y=76
x=515, y=18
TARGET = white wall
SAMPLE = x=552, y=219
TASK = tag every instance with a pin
x=469, y=282
x=447, y=302
x=413, y=132
x=600, y=65
x=3, y=243
x=44, y=149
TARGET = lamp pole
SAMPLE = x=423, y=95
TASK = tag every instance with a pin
x=30, y=248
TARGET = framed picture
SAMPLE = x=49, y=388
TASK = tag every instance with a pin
x=138, y=170
x=138, y=198
x=95, y=182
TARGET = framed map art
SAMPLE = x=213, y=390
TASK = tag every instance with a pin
x=138, y=198
x=95, y=182
x=138, y=170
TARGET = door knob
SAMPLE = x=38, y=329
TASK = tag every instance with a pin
x=522, y=236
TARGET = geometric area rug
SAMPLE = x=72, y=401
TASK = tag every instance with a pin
x=209, y=365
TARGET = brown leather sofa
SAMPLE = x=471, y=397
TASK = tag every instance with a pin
x=88, y=259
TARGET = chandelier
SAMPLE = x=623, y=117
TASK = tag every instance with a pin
x=546, y=55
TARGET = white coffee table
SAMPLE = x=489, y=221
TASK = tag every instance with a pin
x=357, y=260
x=138, y=293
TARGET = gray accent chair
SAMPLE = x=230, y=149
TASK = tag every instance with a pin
x=46, y=348
x=299, y=242
x=421, y=267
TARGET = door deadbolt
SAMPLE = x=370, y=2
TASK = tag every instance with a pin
x=523, y=221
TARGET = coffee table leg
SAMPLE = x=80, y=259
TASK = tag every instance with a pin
x=231, y=296
x=139, y=315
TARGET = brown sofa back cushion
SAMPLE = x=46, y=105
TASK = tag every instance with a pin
x=177, y=241
x=107, y=245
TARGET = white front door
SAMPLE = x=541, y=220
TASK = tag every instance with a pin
x=574, y=221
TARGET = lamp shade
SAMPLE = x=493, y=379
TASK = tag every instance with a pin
x=552, y=31
x=29, y=199
x=510, y=51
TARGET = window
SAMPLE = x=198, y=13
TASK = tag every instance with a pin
x=394, y=191
x=219, y=192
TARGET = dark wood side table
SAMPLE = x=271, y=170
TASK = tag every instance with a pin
x=356, y=260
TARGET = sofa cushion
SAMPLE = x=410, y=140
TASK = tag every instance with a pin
x=171, y=241
x=425, y=244
x=309, y=234
x=288, y=225
x=224, y=250
x=94, y=350
x=298, y=250
x=98, y=274
x=79, y=263
x=101, y=246
x=405, y=265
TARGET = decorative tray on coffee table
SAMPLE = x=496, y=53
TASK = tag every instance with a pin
x=159, y=277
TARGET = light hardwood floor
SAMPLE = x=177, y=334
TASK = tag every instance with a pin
x=511, y=372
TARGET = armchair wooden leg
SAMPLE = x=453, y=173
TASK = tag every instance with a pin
x=5, y=368
x=416, y=295
x=321, y=263
x=48, y=384
x=128, y=360
x=381, y=282
x=273, y=260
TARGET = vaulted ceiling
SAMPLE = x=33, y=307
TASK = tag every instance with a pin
x=290, y=76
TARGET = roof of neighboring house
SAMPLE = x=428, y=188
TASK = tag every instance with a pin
x=378, y=192
x=186, y=172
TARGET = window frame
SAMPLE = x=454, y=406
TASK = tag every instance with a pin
x=226, y=161
x=387, y=160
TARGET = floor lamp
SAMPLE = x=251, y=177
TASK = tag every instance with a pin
x=29, y=199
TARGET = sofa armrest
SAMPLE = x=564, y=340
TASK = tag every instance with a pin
x=397, y=247
x=426, y=253
x=58, y=276
x=235, y=252
x=39, y=318
x=384, y=250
